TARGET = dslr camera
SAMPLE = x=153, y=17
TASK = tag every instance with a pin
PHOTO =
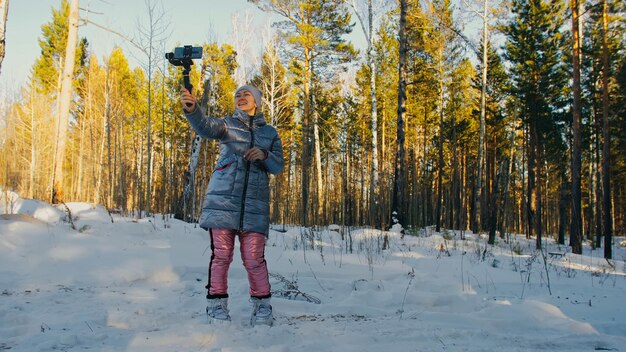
x=183, y=56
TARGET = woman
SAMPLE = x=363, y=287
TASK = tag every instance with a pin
x=237, y=198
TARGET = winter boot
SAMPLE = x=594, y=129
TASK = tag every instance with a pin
x=261, y=312
x=217, y=310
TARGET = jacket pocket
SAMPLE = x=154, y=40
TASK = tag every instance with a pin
x=223, y=167
x=223, y=178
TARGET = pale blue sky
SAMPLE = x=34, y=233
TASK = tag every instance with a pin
x=192, y=22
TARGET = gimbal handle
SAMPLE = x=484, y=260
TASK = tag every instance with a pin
x=186, y=80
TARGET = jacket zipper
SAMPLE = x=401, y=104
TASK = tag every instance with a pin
x=245, y=182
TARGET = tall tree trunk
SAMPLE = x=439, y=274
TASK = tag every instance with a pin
x=440, y=150
x=163, y=144
x=306, y=152
x=117, y=174
x=4, y=11
x=374, y=191
x=81, y=151
x=106, y=138
x=33, y=147
x=385, y=203
x=530, y=181
x=576, y=220
x=493, y=207
x=345, y=208
x=537, y=197
x=425, y=186
x=606, y=142
x=398, y=185
x=318, y=169
x=504, y=222
x=456, y=196
x=140, y=204
x=597, y=184
x=562, y=204
x=65, y=98
x=148, y=201
x=476, y=209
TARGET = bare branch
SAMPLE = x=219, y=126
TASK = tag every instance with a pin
x=460, y=34
x=123, y=36
x=474, y=10
x=90, y=11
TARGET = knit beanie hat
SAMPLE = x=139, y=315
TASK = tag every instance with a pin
x=255, y=93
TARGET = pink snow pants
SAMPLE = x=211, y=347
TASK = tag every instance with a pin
x=252, y=246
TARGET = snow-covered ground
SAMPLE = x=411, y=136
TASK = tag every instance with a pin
x=119, y=284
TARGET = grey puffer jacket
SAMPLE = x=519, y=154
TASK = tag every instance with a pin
x=238, y=193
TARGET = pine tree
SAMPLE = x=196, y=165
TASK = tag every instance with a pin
x=397, y=210
x=618, y=139
x=315, y=31
x=602, y=46
x=534, y=49
x=64, y=101
x=47, y=68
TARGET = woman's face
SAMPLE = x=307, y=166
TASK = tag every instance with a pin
x=244, y=100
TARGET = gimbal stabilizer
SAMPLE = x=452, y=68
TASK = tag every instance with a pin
x=183, y=56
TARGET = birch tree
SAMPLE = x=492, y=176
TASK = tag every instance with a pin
x=367, y=22
x=243, y=39
x=4, y=11
x=152, y=37
x=65, y=97
x=535, y=49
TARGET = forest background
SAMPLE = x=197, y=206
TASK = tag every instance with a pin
x=517, y=126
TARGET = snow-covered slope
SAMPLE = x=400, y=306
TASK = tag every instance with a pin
x=138, y=285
